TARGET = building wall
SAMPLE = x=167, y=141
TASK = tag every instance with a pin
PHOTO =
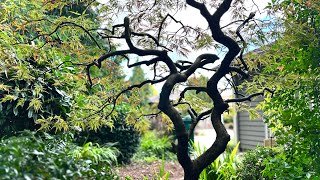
x=250, y=132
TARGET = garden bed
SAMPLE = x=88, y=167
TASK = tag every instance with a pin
x=150, y=170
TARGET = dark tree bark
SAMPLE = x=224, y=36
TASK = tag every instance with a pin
x=178, y=72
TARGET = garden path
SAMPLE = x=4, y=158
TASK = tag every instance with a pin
x=206, y=137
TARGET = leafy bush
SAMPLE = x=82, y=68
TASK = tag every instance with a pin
x=291, y=68
x=224, y=167
x=252, y=164
x=125, y=136
x=46, y=157
x=294, y=115
x=275, y=163
x=153, y=147
x=286, y=165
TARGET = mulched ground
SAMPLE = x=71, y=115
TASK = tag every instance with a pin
x=140, y=170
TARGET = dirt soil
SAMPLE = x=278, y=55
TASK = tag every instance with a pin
x=138, y=171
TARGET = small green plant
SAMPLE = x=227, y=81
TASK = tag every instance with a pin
x=223, y=167
x=153, y=146
x=163, y=175
x=106, y=154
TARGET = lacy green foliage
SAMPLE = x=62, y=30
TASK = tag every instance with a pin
x=291, y=67
x=46, y=157
x=294, y=114
x=224, y=167
x=252, y=163
x=43, y=50
x=302, y=11
x=288, y=166
x=28, y=93
x=153, y=147
x=125, y=136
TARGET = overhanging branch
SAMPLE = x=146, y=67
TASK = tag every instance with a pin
x=248, y=98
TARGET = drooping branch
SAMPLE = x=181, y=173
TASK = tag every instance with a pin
x=162, y=22
x=233, y=22
x=184, y=65
x=148, y=63
x=184, y=103
x=248, y=98
x=253, y=1
x=151, y=37
x=150, y=115
x=201, y=61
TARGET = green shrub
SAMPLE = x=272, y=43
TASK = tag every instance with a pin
x=52, y=157
x=285, y=165
x=126, y=137
x=252, y=164
x=153, y=146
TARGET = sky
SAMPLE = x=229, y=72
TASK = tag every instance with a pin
x=198, y=20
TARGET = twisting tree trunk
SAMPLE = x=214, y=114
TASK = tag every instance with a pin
x=179, y=72
x=148, y=17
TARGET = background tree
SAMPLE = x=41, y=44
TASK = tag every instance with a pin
x=144, y=92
